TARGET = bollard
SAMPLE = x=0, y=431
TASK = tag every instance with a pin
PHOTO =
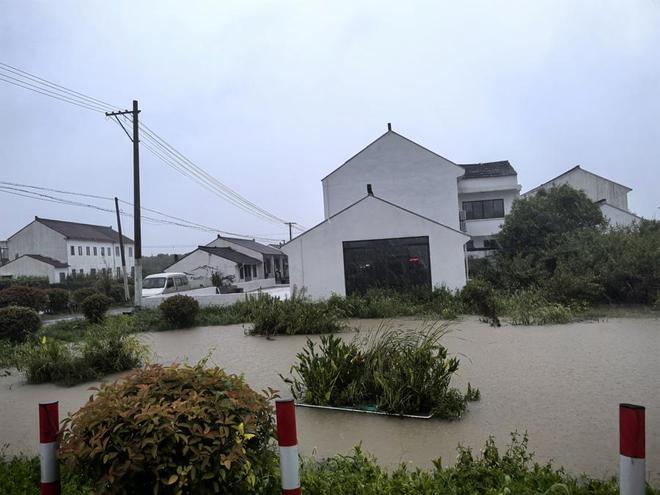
x=632, y=460
x=285, y=412
x=49, y=424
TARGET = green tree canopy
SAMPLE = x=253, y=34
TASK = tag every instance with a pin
x=539, y=222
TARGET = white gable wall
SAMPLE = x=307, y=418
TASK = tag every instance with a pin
x=618, y=217
x=202, y=264
x=30, y=267
x=595, y=187
x=401, y=172
x=36, y=238
x=316, y=258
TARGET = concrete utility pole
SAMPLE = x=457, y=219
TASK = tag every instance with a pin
x=127, y=294
x=137, y=228
x=290, y=224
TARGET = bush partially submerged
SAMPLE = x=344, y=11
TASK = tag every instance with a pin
x=392, y=371
x=18, y=324
x=531, y=307
x=296, y=315
x=95, y=306
x=103, y=350
x=175, y=429
x=27, y=297
x=180, y=311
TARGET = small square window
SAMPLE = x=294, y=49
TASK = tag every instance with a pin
x=102, y=251
x=116, y=250
x=95, y=251
x=87, y=250
x=73, y=250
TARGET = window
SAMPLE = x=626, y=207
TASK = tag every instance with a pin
x=92, y=272
x=116, y=250
x=79, y=250
x=95, y=251
x=170, y=283
x=241, y=274
x=73, y=250
x=87, y=250
x=82, y=272
x=395, y=264
x=62, y=277
x=133, y=272
x=102, y=251
x=118, y=272
x=109, y=251
x=487, y=208
x=130, y=251
x=254, y=271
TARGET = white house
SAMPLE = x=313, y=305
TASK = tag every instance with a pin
x=274, y=263
x=78, y=248
x=35, y=265
x=486, y=192
x=205, y=261
x=611, y=196
x=252, y=264
x=393, y=219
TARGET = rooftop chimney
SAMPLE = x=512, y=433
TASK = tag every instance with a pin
x=389, y=126
x=370, y=191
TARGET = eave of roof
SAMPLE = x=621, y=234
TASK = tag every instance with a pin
x=502, y=168
x=82, y=231
x=253, y=245
x=577, y=167
x=384, y=201
x=378, y=139
x=230, y=254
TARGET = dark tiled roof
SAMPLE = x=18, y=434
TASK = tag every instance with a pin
x=255, y=246
x=46, y=259
x=489, y=169
x=230, y=254
x=83, y=231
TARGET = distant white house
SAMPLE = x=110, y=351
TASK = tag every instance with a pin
x=68, y=248
x=611, y=196
x=393, y=218
x=251, y=264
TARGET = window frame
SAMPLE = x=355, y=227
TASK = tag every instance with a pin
x=483, y=209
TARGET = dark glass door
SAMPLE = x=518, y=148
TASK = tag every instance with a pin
x=398, y=264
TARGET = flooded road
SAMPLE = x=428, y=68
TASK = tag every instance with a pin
x=562, y=384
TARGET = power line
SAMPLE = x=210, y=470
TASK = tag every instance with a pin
x=165, y=151
x=15, y=188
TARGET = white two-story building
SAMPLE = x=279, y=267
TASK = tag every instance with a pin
x=57, y=249
x=393, y=220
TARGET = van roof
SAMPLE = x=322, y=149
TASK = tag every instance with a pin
x=168, y=274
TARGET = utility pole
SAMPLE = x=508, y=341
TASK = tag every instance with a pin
x=290, y=224
x=127, y=294
x=137, y=228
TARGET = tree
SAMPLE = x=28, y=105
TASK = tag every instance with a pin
x=539, y=222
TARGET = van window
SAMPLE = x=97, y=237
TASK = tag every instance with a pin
x=170, y=283
x=152, y=283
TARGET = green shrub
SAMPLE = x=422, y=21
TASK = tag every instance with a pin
x=28, y=297
x=79, y=295
x=180, y=311
x=117, y=294
x=175, y=429
x=393, y=371
x=478, y=296
x=37, y=282
x=17, y=324
x=103, y=350
x=58, y=300
x=531, y=307
x=293, y=316
x=95, y=306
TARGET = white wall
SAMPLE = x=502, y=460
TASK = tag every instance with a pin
x=316, y=258
x=483, y=184
x=203, y=300
x=617, y=217
x=202, y=264
x=596, y=188
x=86, y=262
x=36, y=238
x=400, y=171
x=29, y=267
x=220, y=242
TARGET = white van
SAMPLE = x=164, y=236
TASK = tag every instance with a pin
x=164, y=283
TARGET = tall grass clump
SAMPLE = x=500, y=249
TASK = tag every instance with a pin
x=104, y=349
x=293, y=316
x=531, y=307
x=391, y=370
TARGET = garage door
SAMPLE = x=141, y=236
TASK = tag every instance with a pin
x=398, y=263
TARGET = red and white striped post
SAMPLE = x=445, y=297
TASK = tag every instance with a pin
x=49, y=425
x=287, y=439
x=632, y=462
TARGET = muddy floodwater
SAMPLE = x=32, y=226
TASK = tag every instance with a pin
x=562, y=384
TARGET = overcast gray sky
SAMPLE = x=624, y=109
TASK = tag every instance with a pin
x=271, y=96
